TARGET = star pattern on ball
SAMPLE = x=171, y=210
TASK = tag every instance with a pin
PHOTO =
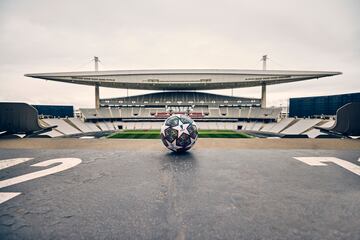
x=182, y=128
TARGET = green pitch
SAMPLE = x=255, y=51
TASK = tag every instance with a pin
x=155, y=134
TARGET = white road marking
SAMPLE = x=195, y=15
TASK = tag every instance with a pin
x=65, y=163
x=5, y=196
x=6, y=163
x=320, y=161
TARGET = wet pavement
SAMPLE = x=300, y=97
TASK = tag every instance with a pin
x=202, y=194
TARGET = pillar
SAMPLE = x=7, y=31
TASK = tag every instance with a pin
x=97, y=98
x=263, y=95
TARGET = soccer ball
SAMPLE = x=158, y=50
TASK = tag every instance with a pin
x=179, y=133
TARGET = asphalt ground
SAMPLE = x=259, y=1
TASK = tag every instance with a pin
x=221, y=189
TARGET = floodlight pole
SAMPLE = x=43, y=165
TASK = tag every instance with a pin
x=97, y=92
x=263, y=59
x=263, y=85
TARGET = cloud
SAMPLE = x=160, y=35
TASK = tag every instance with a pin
x=46, y=36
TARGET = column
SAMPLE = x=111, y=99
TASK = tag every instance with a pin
x=263, y=95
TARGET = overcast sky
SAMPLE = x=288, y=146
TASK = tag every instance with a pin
x=51, y=36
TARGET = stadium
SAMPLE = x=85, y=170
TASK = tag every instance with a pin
x=185, y=129
x=181, y=94
x=127, y=161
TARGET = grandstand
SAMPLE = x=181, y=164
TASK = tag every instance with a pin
x=63, y=126
x=312, y=133
x=286, y=126
x=284, y=123
x=199, y=105
x=145, y=117
x=180, y=98
x=180, y=95
x=301, y=126
x=211, y=111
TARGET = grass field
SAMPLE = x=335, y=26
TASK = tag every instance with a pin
x=155, y=134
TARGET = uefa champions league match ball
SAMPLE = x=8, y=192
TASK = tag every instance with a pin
x=179, y=133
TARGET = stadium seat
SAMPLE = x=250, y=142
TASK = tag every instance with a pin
x=233, y=112
x=257, y=126
x=79, y=124
x=245, y=113
x=164, y=98
x=302, y=125
x=62, y=126
x=103, y=126
x=268, y=126
x=315, y=133
x=214, y=112
x=278, y=127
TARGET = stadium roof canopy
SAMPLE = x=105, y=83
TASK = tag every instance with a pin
x=182, y=79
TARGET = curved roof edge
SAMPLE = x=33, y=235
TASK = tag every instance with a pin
x=184, y=71
x=182, y=79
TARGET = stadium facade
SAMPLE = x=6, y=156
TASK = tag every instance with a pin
x=54, y=111
x=320, y=105
x=180, y=93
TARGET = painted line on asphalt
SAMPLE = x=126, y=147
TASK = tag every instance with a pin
x=5, y=196
x=65, y=163
x=321, y=161
x=6, y=163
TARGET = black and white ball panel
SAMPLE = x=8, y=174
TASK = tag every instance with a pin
x=179, y=133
